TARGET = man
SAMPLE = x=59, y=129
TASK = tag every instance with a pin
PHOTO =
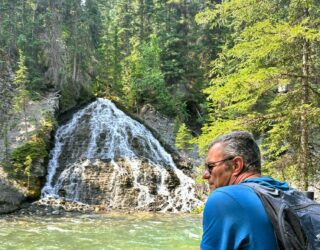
x=234, y=216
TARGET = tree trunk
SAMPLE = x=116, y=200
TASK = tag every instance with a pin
x=141, y=14
x=74, y=74
x=304, y=139
x=6, y=143
x=25, y=118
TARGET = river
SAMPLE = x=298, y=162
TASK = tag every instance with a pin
x=141, y=231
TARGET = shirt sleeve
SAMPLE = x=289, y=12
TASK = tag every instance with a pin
x=224, y=223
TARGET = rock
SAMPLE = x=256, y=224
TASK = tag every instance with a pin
x=116, y=185
x=10, y=196
x=22, y=128
x=103, y=157
x=56, y=212
x=164, y=126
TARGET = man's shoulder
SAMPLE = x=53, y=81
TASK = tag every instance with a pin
x=268, y=182
x=233, y=189
x=236, y=193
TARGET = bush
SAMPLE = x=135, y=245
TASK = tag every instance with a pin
x=183, y=138
x=28, y=153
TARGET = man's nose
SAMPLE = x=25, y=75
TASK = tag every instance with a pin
x=206, y=174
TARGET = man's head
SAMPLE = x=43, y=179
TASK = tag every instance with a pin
x=231, y=158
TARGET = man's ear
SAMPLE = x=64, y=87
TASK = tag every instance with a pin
x=238, y=165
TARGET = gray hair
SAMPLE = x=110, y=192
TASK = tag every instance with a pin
x=241, y=143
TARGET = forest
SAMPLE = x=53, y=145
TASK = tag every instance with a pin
x=214, y=66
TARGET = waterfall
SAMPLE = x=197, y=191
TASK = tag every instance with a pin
x=102, y=156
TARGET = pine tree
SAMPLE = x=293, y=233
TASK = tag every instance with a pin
x=22, y=96
x=7, y=93
x=183, y=138
x=145, y=81
x=271, y=45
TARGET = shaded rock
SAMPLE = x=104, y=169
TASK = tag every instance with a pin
x=10, y=196
x=164, y=126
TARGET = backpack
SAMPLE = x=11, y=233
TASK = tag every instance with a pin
x=295, y=218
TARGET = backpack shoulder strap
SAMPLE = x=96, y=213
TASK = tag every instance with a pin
x=285, y=222
x=270, y=208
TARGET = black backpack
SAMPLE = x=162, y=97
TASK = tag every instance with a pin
x=295, y=218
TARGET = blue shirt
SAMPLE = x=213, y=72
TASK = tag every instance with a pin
x=234, y=218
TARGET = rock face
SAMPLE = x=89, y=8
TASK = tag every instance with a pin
x=21, y=126
x=16, y=129
x=163, y=125
x=10, y=196
x=102, y=156
x=164, y=128
x=118, y=185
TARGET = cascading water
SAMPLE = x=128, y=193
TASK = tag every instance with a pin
x=102, y=156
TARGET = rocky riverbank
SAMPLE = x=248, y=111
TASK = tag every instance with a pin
x=62, y=207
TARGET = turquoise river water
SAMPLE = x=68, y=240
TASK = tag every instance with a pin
x=139, y=231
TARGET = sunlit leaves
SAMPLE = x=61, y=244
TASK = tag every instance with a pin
x=261, y=79
x=183, y=138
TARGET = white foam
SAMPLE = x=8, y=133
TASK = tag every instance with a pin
x=122, y=134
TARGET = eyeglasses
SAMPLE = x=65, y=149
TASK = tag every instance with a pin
x=210, y=165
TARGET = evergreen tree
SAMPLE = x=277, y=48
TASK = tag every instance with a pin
x=49, y=33
x=22, y=96
x=272, y=44
x=111, y=50
x=145, y=81
x=7, y=92
x=129, y=27
x=183, y=138
x=80, y=36
x=180, y=54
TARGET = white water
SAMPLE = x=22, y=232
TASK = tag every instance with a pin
x=108, y=137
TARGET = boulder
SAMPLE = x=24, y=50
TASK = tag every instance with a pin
x=11, y=196
x=104, y=157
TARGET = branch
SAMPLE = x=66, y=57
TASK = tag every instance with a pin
x=302, y=76
x=261, y=118
x=314, y=91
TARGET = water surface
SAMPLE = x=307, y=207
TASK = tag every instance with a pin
x=108, y=231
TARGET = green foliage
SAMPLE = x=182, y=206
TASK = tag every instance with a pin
x=28, y=153
x=199, y=175
x=198, y=210
x=47, y=124
x=26, y=158
x=150, y=54
x=139, y=52
x=27, y=170
x=183, y=138
x=21, y=83
x=145, y=82
x=21, y=75
x=269, y=44
x=69, y=97
x=32, y=153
